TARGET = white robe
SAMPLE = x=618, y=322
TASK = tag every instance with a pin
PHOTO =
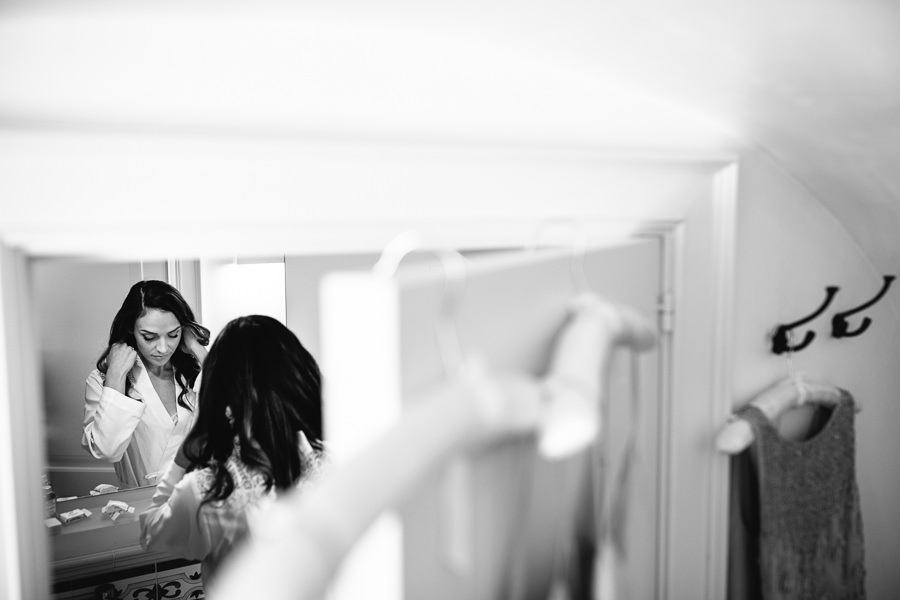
x=136, y=431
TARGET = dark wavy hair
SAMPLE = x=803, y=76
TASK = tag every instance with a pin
x=260, y=387
x=157, y=295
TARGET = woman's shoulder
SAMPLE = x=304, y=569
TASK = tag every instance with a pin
x=249, y=484
x=317, y=463
x=201, y=479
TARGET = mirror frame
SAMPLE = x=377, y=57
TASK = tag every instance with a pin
x=700, y=234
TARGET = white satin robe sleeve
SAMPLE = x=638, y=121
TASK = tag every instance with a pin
x=170, y=523
x=110, y=419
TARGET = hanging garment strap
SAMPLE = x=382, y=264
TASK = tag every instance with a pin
x=612, y=518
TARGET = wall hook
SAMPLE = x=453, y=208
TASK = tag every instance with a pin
x=780, y=342
x=839, y=321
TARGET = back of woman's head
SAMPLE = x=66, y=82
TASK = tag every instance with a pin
x=260, y=387
x=154, y=295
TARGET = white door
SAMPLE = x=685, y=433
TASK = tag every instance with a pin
x=491, y=526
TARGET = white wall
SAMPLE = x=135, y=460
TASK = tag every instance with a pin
x=302, y=276
x=789, y=249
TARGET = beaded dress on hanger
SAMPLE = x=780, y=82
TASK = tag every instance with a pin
x=796, y=521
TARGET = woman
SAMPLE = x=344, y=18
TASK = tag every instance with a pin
x=258, y=433
x=139, y=402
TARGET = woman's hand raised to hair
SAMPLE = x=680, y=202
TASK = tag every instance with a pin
x=120, y=361
x=194, y=338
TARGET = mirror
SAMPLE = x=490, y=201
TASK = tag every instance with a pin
x=75, y=301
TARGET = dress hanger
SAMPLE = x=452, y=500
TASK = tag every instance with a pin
x=594, y=328
x=458, y=371
x=454, y=265
x=579, y=249
x=785, y=395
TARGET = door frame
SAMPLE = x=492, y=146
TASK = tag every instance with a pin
x=700, y=243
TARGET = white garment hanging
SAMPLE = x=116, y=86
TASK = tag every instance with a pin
x=608, y=577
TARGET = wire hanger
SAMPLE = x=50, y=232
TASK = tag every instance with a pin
x=780, y=341
x=839, y=325
x=454, y=265
x=579, y=250
x=456, y=482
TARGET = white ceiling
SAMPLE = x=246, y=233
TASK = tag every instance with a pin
x=815, y=84
x=812, y=83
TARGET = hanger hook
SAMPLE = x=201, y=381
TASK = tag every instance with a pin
x=780, y=340
x=790, y=354
x=579, y=250
x=839, y=325
x=454, y=266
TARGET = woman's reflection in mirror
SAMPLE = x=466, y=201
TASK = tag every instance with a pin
x=140, y=401
x=258, y=433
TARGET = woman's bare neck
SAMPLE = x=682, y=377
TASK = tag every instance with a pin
x=164, y=372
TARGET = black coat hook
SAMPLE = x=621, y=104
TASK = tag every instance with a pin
x=780, y=339
x=839, y=321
